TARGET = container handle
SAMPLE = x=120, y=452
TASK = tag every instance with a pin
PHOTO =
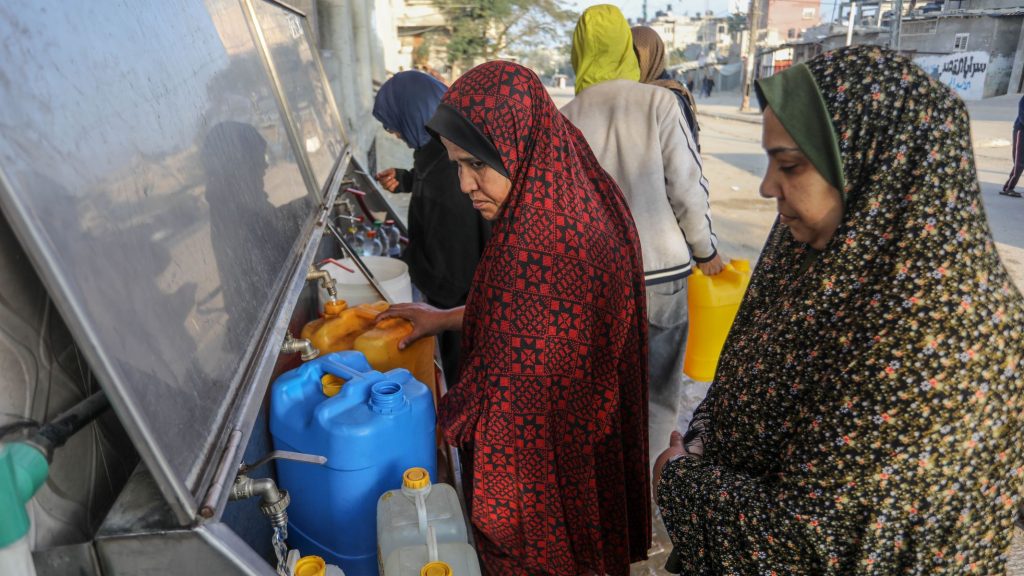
x=421, y=512
x=431, y=545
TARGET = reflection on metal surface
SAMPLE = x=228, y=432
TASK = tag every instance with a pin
x=306, y=93
x=145, y=166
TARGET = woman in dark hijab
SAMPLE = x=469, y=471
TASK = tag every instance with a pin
x=550, y=409
x=446, y=235
x=866, y=412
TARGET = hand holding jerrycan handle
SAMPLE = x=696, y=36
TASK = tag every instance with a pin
x=713, y=302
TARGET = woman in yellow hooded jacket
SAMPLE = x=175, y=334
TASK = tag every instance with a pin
x=642, y=140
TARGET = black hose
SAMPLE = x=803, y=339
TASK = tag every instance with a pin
x=55, y=433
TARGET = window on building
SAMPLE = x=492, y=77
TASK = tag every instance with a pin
x=808, y=14
x=919, y=27
x=721, y=29
x=792, y=33
x=960, y=42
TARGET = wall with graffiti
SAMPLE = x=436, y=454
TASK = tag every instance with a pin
x=963, y=71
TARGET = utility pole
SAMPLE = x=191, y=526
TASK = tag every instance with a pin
x=897, y=26
x=645, y=13
x=849, y=29
x=753, y=31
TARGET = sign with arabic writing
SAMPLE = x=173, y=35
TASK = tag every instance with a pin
x=961, y=71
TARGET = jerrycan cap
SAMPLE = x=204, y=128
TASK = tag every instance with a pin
x=310, y=566
x=331, y=385
x=436, y=569
x=416, y=479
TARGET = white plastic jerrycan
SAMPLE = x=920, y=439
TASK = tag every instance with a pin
x=404, y=515
x=433, y=559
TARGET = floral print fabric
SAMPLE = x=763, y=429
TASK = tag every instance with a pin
x=866, y=414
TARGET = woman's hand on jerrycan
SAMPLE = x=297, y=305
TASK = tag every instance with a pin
x=425, y=319
x=712, y=267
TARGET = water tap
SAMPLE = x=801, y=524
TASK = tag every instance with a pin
x=301, y=345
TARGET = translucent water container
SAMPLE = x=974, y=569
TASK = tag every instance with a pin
x=380, y=345
x=453, y=559
x=713, y=302
x=404, y=515
x=338, y=332
x=377, y=426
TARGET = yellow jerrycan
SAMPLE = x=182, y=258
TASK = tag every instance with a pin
x=713, y=302
x=339, y=332
x=380, y=345
x=331, y=310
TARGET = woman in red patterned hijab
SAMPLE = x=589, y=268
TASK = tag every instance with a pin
x=550, y=408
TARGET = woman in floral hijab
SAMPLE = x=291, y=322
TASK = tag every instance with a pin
x=866, y=413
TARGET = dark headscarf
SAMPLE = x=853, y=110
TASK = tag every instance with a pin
x=552, y=397
x=404, y=104
x=866, y=414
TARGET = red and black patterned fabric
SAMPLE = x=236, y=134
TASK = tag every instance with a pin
x=552, y=396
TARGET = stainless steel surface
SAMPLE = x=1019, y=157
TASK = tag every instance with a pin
x=283, y=455
x=295, y=68
x=140, y=537
x=71, y=560
x=210, y=549
x=209, y=507
x=42, y=375
x=145, y=167
x=267, y=360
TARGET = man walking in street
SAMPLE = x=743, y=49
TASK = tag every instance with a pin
x=1018, y=153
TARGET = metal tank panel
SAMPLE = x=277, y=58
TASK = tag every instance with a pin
x=147, y=170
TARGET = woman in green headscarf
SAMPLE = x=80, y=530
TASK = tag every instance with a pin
x=866, y=413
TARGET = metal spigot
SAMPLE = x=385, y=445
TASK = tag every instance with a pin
x=326, y=280
x=301, y=345
x=273, y=501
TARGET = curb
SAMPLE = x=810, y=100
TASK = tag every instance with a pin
x=734, y=117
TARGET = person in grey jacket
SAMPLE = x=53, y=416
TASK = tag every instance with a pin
x=643, y=141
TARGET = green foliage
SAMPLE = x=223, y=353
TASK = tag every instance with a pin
x=677, y=56
x=737, y=22
x=488, y=29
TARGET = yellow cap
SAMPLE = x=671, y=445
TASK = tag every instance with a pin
x=416, y=478
x=310, y=566
x=334, y=307
x=433, y=569
x=331, y=384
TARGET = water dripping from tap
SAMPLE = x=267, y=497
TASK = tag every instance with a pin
x=281, y=549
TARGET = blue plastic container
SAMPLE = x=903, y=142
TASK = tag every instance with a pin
x=374, y=429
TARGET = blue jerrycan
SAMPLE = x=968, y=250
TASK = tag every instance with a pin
x=372, y=430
